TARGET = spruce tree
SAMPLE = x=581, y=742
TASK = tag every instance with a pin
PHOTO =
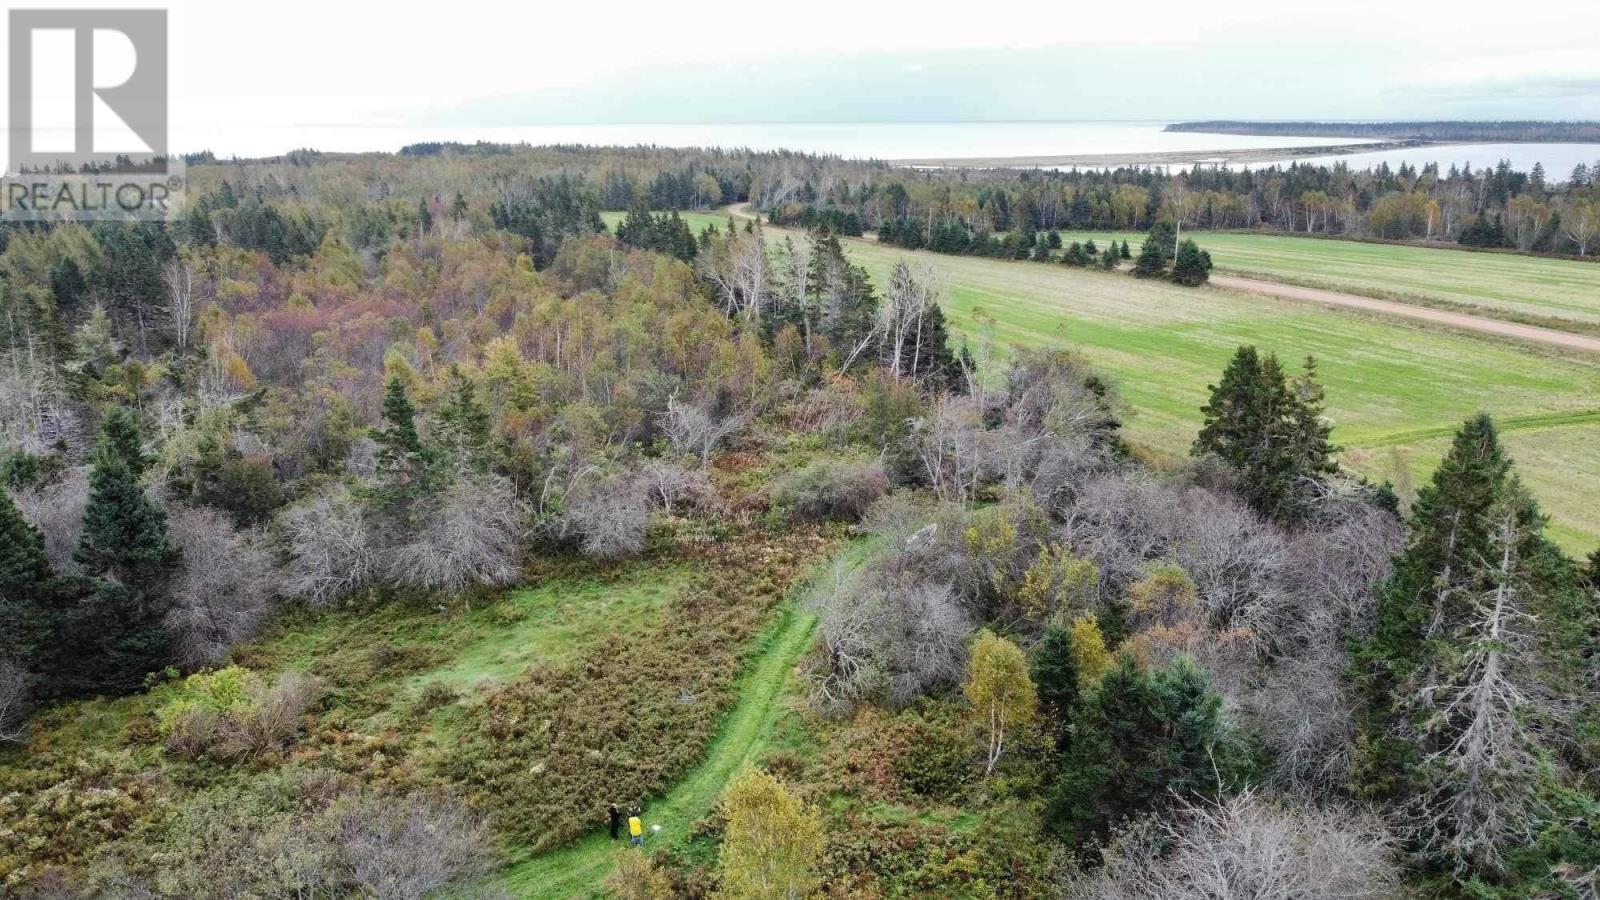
x=110, y=630
x=405, y=467
x=1480, y=618
x=1272, y=435
x=928, y=358
x=1138, y=740
x=24, y=571
x=1192, y=267
x=464, y=425
x=124, y=534
x=119, y=433
x=1151, y=262
x=424, y=218
x=1055, y=678
x=1230, y=416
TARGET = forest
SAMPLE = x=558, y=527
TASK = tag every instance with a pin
x=372, y=527
x=992, y=211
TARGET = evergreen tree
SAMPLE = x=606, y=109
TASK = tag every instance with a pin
x=1139, y=740
x=1192, y=267
x=1480, y=617
x=119, y=434
x=68, y=285
x=24, y=570
x=1272, y=435
x=1055, y=678
x=928, y=358
x=464, y=425
x=1126, y=253
x=1231, y=415
x=1151, y=262
x=406, y=469
x=1164, y=235
x=124, y=534
x=424, y=218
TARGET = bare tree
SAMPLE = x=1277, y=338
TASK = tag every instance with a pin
x=739, y=273
x=472, y=535
x=610, y=517
x=673, y=488
x=692, y=428
x=225, y=589
x=331, y=550
x=905, y=303
x=408, y=848
x=178, y=277
x=13, y=701
x=35, y=413
x=56, y=509
x=1245, y=846
x=886, y=633
x=953, y=447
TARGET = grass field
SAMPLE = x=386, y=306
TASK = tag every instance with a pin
x=1552, y=292
x=1391, y=385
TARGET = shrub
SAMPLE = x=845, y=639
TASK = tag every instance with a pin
x=830, y=489
x=637, y=878
x=610, y=519
x=231, y=714
x=1246, y=847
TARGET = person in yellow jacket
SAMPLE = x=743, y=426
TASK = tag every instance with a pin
x=635, y=831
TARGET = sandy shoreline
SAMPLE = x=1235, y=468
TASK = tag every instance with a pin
x=1164, y=158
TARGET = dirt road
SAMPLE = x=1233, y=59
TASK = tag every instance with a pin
x=1531, y=333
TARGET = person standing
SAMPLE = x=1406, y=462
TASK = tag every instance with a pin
x=616, y=821
x=635, y=831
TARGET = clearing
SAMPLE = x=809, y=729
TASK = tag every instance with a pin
x=1386, y=379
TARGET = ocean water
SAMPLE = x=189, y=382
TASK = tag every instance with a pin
x=876, y=140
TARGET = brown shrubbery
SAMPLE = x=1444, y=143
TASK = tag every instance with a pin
x=232, y=715
x=830, y=489
x=625, y=720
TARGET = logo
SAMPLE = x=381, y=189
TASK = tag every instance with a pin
x=88, y=117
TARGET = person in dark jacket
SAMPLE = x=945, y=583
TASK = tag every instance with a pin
x=616, y=821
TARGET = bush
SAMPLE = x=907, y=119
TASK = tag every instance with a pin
x=231, y=714
x=1246, y=847
x=830, y=490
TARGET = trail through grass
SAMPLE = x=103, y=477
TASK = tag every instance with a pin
x=580, y=869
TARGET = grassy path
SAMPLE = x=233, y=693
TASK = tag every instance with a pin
x=579, y=869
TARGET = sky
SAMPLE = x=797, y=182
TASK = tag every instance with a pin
x=296, y=65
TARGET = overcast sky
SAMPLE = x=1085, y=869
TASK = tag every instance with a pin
x=290, y=63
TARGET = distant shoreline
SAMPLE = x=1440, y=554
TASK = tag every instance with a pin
x=1457, y=131
x=1164, y=157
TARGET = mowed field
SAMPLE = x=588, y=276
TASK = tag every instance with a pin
x=1396, y=391
x=1552, y=292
